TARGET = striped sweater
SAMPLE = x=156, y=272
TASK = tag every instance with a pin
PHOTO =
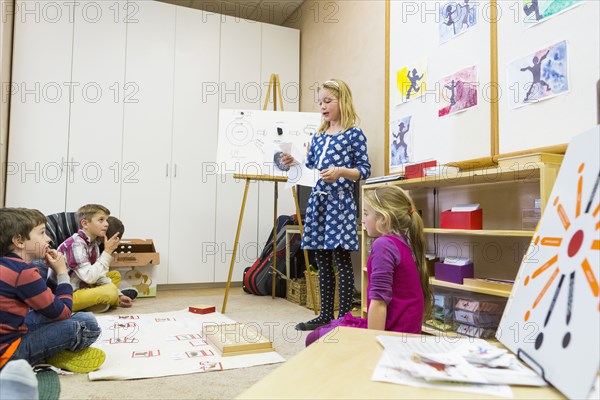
x=21, y=289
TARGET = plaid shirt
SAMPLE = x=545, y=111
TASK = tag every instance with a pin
x=86, y=269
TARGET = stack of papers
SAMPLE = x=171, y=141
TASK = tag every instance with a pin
x=457, y=261
x=465, y=207
x=469, y=365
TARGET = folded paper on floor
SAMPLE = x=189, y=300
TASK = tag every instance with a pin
x=165, y=344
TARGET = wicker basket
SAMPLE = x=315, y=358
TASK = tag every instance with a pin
x=314, y=281
x=296, y=291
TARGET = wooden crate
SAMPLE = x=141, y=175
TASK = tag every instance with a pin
x=314, y=276
x=296, y=291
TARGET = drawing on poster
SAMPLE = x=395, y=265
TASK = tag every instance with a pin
x=411, y=82
x=536, y=11
x=251, y=142
x=539, y=76
x=552, y=319
x=458, y=91
x=401, y=139
x=456, y=18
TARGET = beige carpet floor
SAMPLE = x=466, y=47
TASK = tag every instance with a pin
x=275, y=315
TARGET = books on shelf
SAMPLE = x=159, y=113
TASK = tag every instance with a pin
x=465, y=207
x=524, y=159
x=236, y=339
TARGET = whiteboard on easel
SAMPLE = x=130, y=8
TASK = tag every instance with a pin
x=251, y=141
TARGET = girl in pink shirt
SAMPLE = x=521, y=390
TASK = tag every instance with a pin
x=398, y=293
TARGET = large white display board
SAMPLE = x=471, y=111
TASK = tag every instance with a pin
x=250, y=141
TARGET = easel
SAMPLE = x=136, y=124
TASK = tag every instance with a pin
x=275, y=84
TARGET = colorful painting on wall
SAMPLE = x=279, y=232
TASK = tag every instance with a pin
x=458, y=92
x=400, y=143
x=540, y=10
x=538, y=76
x=411, y=82
x=456, y=18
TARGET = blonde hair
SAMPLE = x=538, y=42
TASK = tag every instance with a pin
x=396, y=213
x=88, y=211
x=340, y=90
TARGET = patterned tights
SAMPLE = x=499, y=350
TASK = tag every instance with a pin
x=327, y=282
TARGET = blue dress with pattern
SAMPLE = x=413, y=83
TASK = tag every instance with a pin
x=331, y=211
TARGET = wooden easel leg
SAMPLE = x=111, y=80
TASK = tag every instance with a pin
x=235, y=246
x=274, y=242
x=309, y=287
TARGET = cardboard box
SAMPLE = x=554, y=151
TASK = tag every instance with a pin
x=453, y=273
x=413, y=171
x=136, y=260
x=462, y=219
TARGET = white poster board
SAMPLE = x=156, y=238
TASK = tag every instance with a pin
x=552, y=319
x=251, y=141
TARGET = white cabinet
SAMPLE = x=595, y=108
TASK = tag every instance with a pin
x=193, y=181
x=147, y=127
x=240, y=88
x=39, y=116
x=139, y=133
x=96, y=123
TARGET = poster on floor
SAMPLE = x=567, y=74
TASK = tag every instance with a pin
x=456, y=17
x=539, y=76
x=536, y=11
x=400, y=140
x=458, y=91
x=411, y=81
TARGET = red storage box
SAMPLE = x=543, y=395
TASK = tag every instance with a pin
x=462, y=219
x=417, y=170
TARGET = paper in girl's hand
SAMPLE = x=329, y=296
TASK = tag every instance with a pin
x=286, y=147
x=298, y=154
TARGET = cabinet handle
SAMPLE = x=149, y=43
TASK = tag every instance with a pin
x=167, y=171
x=72, y=167
x=174, y=170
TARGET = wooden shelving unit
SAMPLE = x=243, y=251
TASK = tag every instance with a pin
x=542, y=174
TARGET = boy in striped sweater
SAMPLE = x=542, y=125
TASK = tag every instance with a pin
x=36, y=323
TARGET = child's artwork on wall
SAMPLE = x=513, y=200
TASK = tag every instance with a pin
x=540, y=10
x=458, y=92
x=456, y=17
x=411, y=81
x=251, y=142
x=539, y=76
x=400, y=143
x=552, y=318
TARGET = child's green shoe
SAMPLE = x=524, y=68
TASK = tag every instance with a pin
x=82, y=362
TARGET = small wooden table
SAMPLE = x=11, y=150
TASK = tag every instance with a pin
x=340, y=367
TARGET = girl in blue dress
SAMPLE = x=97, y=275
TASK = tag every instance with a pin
x=339, y=152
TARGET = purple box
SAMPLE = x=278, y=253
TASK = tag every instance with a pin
x=453, y=273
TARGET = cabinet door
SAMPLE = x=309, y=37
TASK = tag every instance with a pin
x=280, y=54
x=239, y=89
x=39, y=116
x=145, y=183
x=96, y=125
x=192, y=245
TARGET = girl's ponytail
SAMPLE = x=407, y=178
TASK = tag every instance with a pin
x=416, y=237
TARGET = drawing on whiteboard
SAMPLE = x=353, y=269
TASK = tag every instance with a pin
x=540, y=10
x=539, y=76
x=251, y=142
x=411, y=82
x=458, y=91
x=400, y=143
x=456, y=18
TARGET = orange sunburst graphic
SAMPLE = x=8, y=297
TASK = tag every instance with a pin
x=570, y=258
